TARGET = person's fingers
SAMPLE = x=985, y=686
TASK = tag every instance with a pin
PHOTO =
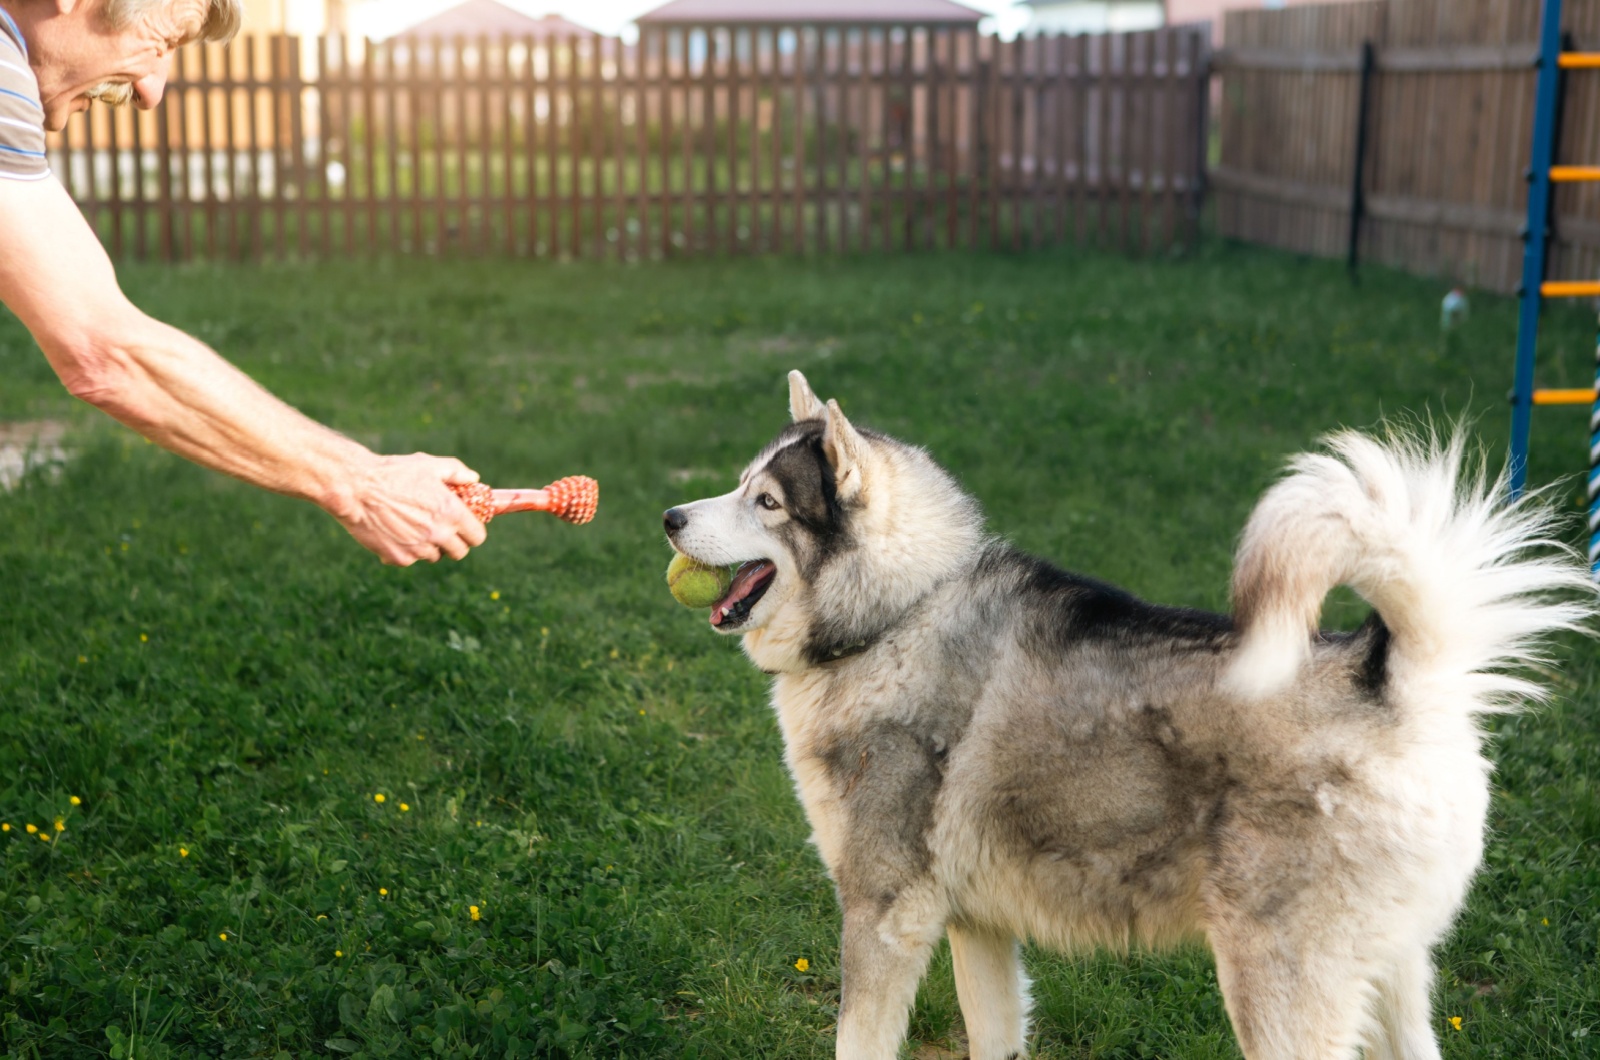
x=405, y=520
x=455, y=473
x=469, y=529
x=465, y=525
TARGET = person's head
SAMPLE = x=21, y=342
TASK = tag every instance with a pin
x=116, y=51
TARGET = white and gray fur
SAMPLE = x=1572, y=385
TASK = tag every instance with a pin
x=994, y=749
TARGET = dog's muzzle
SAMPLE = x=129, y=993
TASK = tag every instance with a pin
x=750, y=583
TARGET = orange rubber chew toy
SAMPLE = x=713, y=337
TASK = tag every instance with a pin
x=572, y=499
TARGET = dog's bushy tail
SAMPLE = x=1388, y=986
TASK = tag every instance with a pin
x=1467, y=584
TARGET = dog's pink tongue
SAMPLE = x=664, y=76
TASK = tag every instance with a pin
x=750, y=574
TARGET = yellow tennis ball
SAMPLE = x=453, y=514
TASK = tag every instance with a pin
x=694, y=584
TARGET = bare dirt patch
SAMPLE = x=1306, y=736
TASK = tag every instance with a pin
x=955, y=1049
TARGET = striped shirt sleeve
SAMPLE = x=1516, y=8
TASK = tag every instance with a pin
x=22, y=155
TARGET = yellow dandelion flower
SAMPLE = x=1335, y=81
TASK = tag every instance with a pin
x=641, y=714
x=82, y=659
x=61, y=825
x=183, y=852
x=45, y=836
x=472, y=909
x=802, y=965
x=378, y=797
x=223, y=935
x=5, y=827
x=495, y=595
x=32, y=828
x=383, y=891
x=143, y=637
x=75, y=800
x=1455, y=1021
x=405, y=807
x=338, y=953
x=1545, y=921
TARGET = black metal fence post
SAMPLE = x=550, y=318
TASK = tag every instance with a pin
x=1358, y=194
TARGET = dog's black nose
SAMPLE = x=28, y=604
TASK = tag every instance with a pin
x=674, y=520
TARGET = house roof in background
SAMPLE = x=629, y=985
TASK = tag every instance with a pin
x=489, y=18
x=791, y=12
x=1181, y=11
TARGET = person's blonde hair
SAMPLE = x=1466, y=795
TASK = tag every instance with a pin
x=223, y=17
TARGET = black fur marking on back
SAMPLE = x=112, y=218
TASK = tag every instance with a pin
x=1373, y=640
x=1375, y=669
x=1073, y=608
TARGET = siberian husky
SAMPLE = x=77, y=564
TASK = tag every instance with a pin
x=991, y=748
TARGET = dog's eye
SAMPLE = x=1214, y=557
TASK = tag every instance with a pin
x=766, y=501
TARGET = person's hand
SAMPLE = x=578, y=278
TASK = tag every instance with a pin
x=402, y=509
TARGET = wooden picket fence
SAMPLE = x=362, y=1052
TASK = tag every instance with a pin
x=693, y=140
x=1440, y=187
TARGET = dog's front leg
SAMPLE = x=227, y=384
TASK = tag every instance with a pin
x=882, y=965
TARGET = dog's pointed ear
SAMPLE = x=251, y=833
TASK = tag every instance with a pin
x=845, y=449
x=803, y=402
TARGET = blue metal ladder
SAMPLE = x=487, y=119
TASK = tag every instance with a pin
x=1542, y=173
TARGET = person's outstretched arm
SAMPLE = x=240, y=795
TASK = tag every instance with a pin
x=56, y=277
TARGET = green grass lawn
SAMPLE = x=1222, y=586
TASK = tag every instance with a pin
x=586, y=843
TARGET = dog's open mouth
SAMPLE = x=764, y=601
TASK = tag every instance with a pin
x=750, y=583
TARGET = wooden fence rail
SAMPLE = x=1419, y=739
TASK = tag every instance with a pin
x=1448, y=131
x=719, y=140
